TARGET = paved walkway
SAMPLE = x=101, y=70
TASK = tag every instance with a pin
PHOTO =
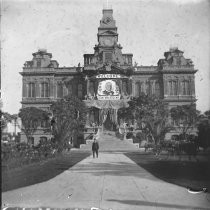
x=112, y=181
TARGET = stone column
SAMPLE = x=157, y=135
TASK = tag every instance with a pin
x=24, y=90
x=182, y=87
x=88, y=118
x=192, y=86
x=178, y=87
x=88, y=86
x=121, y=90
x=133, y=88
x=130, y=86
x=95, y=87
x=56, y=89
x=153, y=87
x=51, y=88
x=37, y=89
x=165, y=86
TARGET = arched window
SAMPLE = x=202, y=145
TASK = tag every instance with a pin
x=80, y=94
x=31, y=90
x=44, y=89
x=59, y=90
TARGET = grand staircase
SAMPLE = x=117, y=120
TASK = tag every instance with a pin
x=109, y=142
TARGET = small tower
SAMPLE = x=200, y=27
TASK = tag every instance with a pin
x=107, y=31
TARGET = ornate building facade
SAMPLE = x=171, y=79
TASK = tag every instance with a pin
x=107, y=80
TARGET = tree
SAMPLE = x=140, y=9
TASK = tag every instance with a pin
x=204, y=130
x=5, y=119
x=31, y=118
x=69, y=118
x=185, y=116
x=151, y=115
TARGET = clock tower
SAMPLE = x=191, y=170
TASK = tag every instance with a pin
x=107, y=52
x=107, y=31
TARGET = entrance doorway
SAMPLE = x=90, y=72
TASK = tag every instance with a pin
x=108, y=125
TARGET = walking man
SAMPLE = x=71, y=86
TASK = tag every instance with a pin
x=95, y=148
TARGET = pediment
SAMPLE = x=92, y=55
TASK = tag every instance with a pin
x=106, y=33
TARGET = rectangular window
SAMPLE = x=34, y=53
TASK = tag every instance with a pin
x=38, y=63
x=92, y=89
x=108, y=56
x=157, y=89
x=70, y=90
x=31, y=90
x=44, y=90
x=44, y=124
x=80, y=95
x=173, y=88
x=59, y=90
x=125, y=87
x=130, y=60
x=137, y=89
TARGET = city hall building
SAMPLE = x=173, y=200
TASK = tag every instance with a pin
x=107, y=80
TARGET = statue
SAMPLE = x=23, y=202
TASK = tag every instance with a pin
x=108, y=67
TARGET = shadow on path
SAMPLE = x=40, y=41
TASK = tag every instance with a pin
x=182, y=173
x=148, y=203
x=40, y=172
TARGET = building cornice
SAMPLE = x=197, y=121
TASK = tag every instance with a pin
x=179, y=71
x=146, y=72
x=37, y=73
x=38, y=100
x=192, y=99
x=49, y=71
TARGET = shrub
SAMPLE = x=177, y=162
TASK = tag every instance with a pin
x=129, y=135
x=22, y=154
x=139, y=137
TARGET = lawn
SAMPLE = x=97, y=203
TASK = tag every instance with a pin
x=40, y=172
x=184, y=173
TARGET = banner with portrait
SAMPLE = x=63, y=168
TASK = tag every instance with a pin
x=108, y=90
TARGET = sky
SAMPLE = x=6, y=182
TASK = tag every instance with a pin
x=68, y=29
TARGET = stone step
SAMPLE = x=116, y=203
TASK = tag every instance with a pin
x=89, y=141
x=109, y=142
